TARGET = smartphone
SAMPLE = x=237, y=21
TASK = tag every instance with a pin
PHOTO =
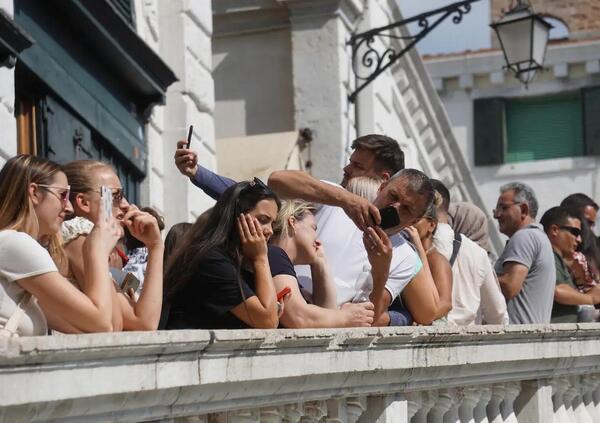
x=389, y=217
x=106, y=201
x=125, y=280
x=189, y=138
x=283, y=293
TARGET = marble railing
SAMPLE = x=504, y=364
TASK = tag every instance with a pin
x=492, y=374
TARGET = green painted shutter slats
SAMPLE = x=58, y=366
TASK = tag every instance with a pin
x=544, y=128
x=489, y=131
x=591, y=107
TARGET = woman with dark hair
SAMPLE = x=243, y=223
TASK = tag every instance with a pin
x=219, y=277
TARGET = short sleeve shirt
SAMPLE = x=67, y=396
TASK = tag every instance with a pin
x=530, y=247
x=563, y=313
x=208, y=298
x=347, y=256
x=22, y=257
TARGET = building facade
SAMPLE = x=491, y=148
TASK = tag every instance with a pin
x=122, y=80
x=546, y=134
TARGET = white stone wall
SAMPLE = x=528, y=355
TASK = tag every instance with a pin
x=461, y=79
x=180, y=31
x=8, y=138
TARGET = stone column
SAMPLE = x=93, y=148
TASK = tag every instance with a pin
x=568, y=399
x=292, y=413
x=534, y=404
x=320, y=69
x=456, y=396
x=414, y=403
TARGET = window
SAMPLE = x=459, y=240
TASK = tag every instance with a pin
x=537, y=128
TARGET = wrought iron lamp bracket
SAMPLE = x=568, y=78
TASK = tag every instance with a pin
x=373, y=60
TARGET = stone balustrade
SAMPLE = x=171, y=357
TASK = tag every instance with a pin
x=491, y=374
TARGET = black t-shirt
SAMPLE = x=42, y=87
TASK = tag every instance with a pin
x=279, y=262
x=207, y=300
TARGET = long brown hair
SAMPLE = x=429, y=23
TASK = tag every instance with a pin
x=16, y=207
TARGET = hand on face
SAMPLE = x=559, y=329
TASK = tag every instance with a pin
x=252, y=239
x=143, y=226
x=379, y=249
x=186, y=160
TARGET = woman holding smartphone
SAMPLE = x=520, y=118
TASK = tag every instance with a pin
x=34, y=199
x=219, y=277
x=86, y=178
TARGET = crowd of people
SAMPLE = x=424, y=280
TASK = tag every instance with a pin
x=385, y=247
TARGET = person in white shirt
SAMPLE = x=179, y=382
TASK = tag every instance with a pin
x=476, y=295
x=388, y=261
x=34, y=199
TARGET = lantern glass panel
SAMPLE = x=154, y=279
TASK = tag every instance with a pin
x=514, y=31
x=540, y=40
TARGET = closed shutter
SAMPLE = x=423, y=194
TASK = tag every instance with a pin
x=489, y=131
x=544, y=128
x=591, y=107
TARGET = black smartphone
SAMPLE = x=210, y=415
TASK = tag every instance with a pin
x=189, y=138
x=389, y=217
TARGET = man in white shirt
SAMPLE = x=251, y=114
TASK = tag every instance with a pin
x=476, y=295
x=395, y=268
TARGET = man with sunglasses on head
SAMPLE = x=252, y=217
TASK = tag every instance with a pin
x=563, y=228
x=525, y=268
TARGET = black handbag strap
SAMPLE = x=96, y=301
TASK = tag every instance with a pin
x=456, y=243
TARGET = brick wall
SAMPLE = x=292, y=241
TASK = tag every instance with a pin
x=582, y=17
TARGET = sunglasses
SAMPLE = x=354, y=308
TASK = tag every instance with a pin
x=117, y=195
x=572, y=230
x=62, y=195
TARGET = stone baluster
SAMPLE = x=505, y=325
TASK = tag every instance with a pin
x=191, y=419
x=271, y=415
x=355, y=407
x=414, y=403
x=336, y=411
x=243, y=416
x=590, y=398
x=292, y=413
x=443, y=403
x=568, y=399
x=428, y=401
x=466, y=411
x=314, y=411
x=580, y=410
x=480, y=413
x=559, y=386
x=451, y=415
x=507, y=408
x=494, y=411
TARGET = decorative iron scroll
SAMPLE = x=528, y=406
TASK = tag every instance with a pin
x=369, y=59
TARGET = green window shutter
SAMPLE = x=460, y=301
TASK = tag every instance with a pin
x=591, y=119
x=489, y=131
x=544, y=127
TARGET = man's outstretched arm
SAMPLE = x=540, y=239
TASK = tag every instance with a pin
x=297, y=184
x=187, y=163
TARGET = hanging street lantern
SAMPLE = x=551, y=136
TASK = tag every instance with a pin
x=523, y=36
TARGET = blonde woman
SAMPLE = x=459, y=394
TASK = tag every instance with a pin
x=86, y=177
x=294, y=242
x=34, y=199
